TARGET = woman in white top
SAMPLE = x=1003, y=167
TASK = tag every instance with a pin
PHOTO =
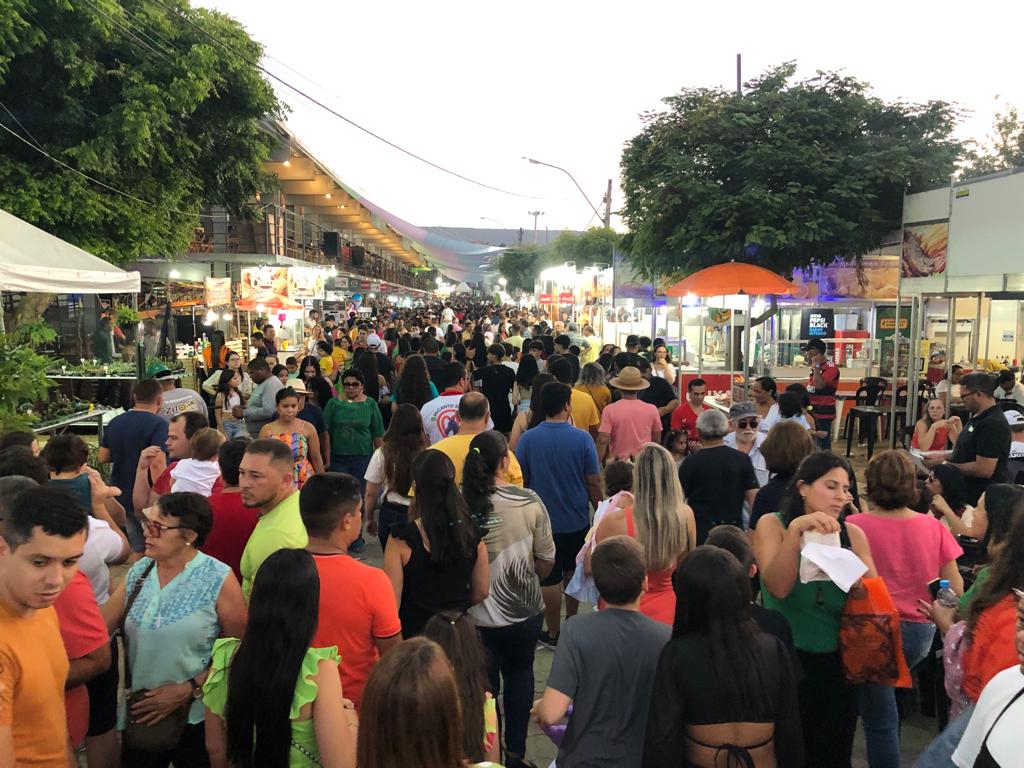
x=233, y=363
x=389, y=474
x=661, y=365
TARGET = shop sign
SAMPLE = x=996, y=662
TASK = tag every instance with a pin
x=218, y=291
x=546, y=298
x=364, y=285
x=885, y=322
x=305, y=283
x=817, y=324
x=264, y=285
x=334, y=295
x=566, y=297
x=353, y=283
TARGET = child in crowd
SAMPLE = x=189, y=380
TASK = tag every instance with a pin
x=614, y=650
x=198, y=474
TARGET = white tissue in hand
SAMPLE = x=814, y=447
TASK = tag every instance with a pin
x=808, y=570
x=840, y=566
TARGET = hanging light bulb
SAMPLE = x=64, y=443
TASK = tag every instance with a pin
x=227, y=317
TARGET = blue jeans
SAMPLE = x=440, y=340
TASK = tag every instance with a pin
x=510, y=653
x=939, y=754
x=352, y=465
x=824, y=425
x=878, y=701
x=233, y=429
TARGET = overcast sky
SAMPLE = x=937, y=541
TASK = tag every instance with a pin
x=474, y=86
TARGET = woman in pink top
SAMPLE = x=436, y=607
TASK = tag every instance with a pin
x=661, y=521
x=909, y=550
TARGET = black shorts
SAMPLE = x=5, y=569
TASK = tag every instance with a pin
x=567, y=546
x=103, y=697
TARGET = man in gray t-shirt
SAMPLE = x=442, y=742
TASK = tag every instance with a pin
x=605, y=666
x=177, y=400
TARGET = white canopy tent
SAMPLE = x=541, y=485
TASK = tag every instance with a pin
x=462, y=288
x=35, y=261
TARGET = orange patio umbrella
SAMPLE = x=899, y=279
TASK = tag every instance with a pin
x=732, y=278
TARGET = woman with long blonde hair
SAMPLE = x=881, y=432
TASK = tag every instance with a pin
x=661, y=521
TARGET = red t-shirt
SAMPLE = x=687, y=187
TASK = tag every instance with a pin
x=823, y=401
x=233, y=523
x=83, y=631
x=685, y=417
x=357, y=604
x=163, y=484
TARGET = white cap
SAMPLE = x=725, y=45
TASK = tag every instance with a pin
x=374, y=342
x=1014, y=418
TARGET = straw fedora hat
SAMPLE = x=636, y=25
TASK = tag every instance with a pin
x=299, y=386
x=630, y=378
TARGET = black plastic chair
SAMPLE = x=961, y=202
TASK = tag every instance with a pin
x=866, y=413
x=899, y=421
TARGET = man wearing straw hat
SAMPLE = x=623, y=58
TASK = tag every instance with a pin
x=629, y=423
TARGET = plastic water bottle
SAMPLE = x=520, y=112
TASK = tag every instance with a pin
x=946, y=597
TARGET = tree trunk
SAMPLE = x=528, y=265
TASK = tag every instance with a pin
x=30, y=309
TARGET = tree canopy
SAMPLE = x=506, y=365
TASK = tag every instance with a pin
x=1003, y=151
x=789, y=174
x=135, y=97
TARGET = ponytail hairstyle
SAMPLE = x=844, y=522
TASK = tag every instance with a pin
x=486, y=453
x=456, y=633
x=283, y=614
x=536, y=413
x=438, y=503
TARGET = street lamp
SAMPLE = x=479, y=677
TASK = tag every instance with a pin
x=502, y=282
x=558, y=168
x=488, y=218
x=439, y=281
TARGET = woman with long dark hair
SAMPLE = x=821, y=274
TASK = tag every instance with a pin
x=456, y=633
x=413, y=385
x=526, y=420
x=271, y=699
x=948, y=487
x=522, y=391
x=310, y=371
x=389, y=475
x=817, y=500
x=724, y=689
x=437, y=561
x=521, y=550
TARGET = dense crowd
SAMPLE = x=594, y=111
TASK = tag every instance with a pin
x=751, y=602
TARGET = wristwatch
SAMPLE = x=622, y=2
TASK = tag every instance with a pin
x=197, y=689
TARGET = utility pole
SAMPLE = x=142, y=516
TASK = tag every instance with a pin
x=739, y=74
x=608, y=206
x=535, y=214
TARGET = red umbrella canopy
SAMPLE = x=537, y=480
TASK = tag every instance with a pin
x=733, y=278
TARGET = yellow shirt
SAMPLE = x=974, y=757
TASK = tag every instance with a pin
x=340, y=356
x=33, y=669
x=278, y=528
x=456, y=448
x=584, y=411
x=602, y=395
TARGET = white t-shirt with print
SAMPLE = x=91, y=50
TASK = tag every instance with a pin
x=1006, y=742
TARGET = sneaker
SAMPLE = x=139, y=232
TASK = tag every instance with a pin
x=547, y=641
x=357, y=546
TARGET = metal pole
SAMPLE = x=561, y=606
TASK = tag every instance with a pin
x=950, y=344
x=739, y=74
x=701, y=337
x=608, y=206
x=988, y=330
x=747, y=367
x=976, y=331
x=916, y=320
x=895, y=365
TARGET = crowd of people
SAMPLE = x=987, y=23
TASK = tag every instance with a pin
x=512, y=469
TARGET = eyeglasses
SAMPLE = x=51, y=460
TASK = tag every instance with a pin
x=747, y=423
x=156, y=529
x=964, y=394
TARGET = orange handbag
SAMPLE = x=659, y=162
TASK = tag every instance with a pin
x=869, y=637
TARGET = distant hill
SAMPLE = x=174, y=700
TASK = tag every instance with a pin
x=499, y=237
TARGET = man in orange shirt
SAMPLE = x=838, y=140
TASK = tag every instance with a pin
x=42, y=537
x=358, y=612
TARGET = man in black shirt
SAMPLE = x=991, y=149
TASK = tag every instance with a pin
x=983, y=448
x=717, y=480
x=495, y=380
x=385, y=367
x=660, y=394
x=435, y=365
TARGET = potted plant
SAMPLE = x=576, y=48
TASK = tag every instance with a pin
x=23, y=380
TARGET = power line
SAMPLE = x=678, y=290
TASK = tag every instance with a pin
x=334, y=112
x=103, y=184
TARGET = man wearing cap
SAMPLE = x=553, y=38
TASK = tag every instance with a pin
x=746, y=438
x=176, y=400
x=821, y=386
x=385, y=367
x=629, y=423
x=1016, y=421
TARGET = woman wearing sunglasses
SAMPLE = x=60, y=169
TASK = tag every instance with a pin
x=179, y=601
x=355, y=425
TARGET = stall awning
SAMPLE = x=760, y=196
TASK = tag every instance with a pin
x=35, y=261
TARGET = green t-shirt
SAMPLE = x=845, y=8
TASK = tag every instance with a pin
x=814, y=611
x=278, y=528
x=353, y=426
x=971, y=594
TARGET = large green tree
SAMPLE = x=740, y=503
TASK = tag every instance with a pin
x=521, y=266
x=133, y=96
x=791, y=173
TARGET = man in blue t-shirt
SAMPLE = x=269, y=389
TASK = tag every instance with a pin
x=124, y=439
x=560, y=465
